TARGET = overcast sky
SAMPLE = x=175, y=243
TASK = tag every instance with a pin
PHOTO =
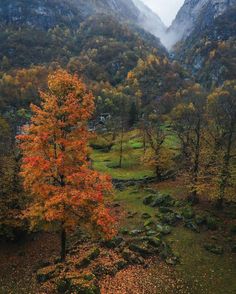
x=166, y=9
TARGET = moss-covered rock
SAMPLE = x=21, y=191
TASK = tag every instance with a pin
x=136, y=232
x=114, y=242
x=146, y=215
x=164, y=229
x=200, y=219
x=151, y=233
x=141, y=249
x=192, y=226
x=121, y=264
x=101, y=270
x=148, y=223
x=187, y=212
x=172, y=260
x=169, y=218
x=46, y=273
x=164, y=209
x=82, y=286
x=154, y=241
x=148, y=200
x=129, y=256
x=163, y=200
x=90, y=256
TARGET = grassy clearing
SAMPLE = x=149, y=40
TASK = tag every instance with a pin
x=132, y=166
x=202, y=271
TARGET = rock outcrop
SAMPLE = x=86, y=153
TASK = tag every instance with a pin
x=195, y=14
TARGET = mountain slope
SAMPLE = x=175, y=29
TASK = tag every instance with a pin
x=42, y=31
x=46, y=14
x=210, y=52
x=196, y=14
x=150, y=20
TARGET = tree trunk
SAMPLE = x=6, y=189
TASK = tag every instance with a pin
x=158, y=173
x=144, y=142
x=121, y=147
x=63, y=245
x=193, y=198
x=225, y=171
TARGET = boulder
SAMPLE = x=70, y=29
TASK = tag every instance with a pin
x=146, y=215
x=164, y=229
x=172, y=260
x=148, y=200
x=192, y=226
x=121, y=264
x=162, y=200
x=46, y=273
x=82, y=286
x=129, y=256
x=90, y=256
x=164, y=209
x=148, y=223
x=141, y=249
x=151, y=233
x=136, y=232
x=77, y=282
x=187, y=213
x=200, y=219
x=154, y=241
x=89, y=276
x=114, y=242
x=102, y=270
x=169, y=218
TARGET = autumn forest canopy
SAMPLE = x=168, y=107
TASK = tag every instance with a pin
x=117, y=152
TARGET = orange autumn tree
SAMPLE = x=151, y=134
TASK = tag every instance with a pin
x=55, y=166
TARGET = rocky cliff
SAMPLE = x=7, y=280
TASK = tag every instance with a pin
x=196, y=15
x=45, y=14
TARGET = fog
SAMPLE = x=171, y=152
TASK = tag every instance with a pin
x=166, y=9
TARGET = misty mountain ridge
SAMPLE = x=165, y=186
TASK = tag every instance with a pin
x=46, y=14
x=195, y=15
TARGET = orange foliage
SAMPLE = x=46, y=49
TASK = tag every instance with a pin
x=56, y=168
